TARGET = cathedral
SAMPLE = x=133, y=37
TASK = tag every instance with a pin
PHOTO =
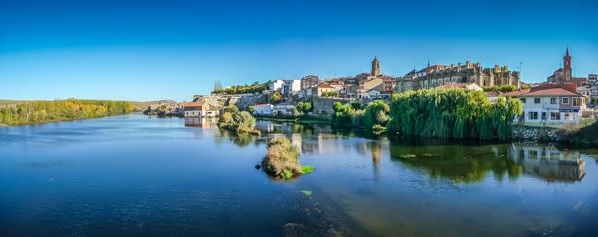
x=438, y=75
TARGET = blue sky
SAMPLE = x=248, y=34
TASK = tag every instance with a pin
x=147, y=50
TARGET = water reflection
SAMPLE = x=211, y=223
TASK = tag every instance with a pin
x=200, y=122
x=460, y=163
x=467, y=164
x=549, y=163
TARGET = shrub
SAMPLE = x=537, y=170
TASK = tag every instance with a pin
x=282, y=159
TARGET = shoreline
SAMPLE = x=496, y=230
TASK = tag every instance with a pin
x=4, y=125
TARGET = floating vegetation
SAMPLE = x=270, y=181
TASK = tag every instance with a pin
x=407, y=156
x=307, y=169
x=282, y=159
x=307, y=193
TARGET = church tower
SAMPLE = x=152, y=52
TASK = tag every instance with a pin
x=567, y=70
x=375, y=68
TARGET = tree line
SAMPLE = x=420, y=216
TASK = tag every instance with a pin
x=437, y=112
x=254, y=88
x=59, y=110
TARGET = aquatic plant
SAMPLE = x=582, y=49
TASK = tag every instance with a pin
x=282, y=159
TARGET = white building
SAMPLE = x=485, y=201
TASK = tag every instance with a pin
x=284, y=109
x=550, y=106
x=286, y=87
x=291, y=87
x=593, y=80
x=199, y=110
x=276, y=85
x=263, y=109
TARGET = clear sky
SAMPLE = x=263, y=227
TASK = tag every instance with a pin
x=147, y=50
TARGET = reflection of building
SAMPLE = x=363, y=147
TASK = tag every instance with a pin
x=197, y=122
x=549, y=163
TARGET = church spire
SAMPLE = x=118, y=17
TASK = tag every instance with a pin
x=567, y=68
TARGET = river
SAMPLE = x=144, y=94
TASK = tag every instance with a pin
x=139, y=176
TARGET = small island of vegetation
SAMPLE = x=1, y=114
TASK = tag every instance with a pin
x=282, y=159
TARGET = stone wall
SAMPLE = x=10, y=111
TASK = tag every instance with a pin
x=526, y=133
x=324, y=106
x=246, y=100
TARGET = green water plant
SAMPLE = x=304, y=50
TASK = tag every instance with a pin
x=282, y=159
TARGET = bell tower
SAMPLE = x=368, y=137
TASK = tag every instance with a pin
x=375, y=67
x=567, y=70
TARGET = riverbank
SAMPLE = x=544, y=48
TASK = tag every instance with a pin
x=298, y=119
x=39, y=112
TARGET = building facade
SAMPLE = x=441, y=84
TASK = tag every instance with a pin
x=564, y=74
x=199, y=110
x=263, y=109
x=438, y=75
x=593, y=81
x=310, y=81
x=550, y=105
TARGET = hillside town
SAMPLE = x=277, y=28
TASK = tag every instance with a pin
x=562, y=99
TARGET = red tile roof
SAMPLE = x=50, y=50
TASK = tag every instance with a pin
x=552, y=92
x=189, y=104
x=326, y=86
x=516, y=93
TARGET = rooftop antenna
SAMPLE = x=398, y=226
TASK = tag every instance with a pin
x=520, y=75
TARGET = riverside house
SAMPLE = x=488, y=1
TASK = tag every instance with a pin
x=199, y=110
x=263, y=109
x=550, y=105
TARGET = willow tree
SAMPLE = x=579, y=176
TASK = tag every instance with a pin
x=452, y=113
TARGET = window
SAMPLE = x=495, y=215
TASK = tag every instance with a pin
x=536, y=100
x=543, y=115
x=567, y=116
x=553, y=101
x=565, y=100
x=576, y=101
x=533, y=154
x=523, y=100
x=532, y=115
x=555, y=116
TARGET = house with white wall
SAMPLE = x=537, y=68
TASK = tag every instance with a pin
x=199, y=109
x=550, y=105
x=263, y=109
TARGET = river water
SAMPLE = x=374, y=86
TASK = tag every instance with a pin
x=133, y=175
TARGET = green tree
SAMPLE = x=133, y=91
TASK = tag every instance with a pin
x=276, y=97
x=376, y=113
x=250, y=109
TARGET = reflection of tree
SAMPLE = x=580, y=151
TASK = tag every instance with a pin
x=376, y=148
x=462, y=164
x=240, y=140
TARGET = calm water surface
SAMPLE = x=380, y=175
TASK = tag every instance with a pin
x=136, y=176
